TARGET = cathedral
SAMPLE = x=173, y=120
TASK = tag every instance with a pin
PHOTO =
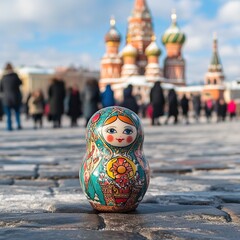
x=138, y=62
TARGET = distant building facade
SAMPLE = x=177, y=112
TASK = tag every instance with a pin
x=34, y=78
x=75, y=76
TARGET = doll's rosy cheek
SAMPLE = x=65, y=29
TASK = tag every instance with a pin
x=110, y=138
x=129, y=139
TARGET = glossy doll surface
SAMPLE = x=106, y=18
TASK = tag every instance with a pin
x=114, y=174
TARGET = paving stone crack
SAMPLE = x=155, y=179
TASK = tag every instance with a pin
x=102, y=224
x=228, y=216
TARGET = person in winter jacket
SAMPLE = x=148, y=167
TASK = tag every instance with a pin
x=172, y=106
x=56, y=94
x=74, y=105
x=197, y=106
x=108, y=97
x=90, y=98
x=208, y=107
x=231, y=109
x=157, y=102
x=184, y=102
x=12, y=98
x=36, y=108
x=129, y=101
x=221, y=110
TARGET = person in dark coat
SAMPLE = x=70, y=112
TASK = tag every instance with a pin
x=196, y=101
x=108, y=97
x=90, y=98
x=185, y=107
x=129, y=101
x=157, y=101
x=221, y=110
x=27, y=106
x=74, y=105
x=172, y=106
x=208, y=107
x=12, y=98
x=56, y=94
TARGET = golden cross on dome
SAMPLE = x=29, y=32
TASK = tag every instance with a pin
x=174, y=16
x=112, y=21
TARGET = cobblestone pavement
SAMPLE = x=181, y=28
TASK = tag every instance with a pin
x=194, y=191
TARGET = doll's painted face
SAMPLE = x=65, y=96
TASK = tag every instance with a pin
x=119, y=131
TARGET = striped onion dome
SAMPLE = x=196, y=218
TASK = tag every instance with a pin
x=173, y=33
x=129, y=51
x=112, y=35
x=153, y=49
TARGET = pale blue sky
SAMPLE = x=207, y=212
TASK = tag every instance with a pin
x=54, y=33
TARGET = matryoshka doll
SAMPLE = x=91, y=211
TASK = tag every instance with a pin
x=114, y=174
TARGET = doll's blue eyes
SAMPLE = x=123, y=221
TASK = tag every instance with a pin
x=128, y=131
x=111, y=130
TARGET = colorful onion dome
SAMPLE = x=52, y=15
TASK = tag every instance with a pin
x=153, y=49
x=112, y=35
x=129, y=51
x=173, y=33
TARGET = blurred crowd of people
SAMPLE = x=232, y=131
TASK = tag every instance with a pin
x=85, y=103
x=171, y=107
